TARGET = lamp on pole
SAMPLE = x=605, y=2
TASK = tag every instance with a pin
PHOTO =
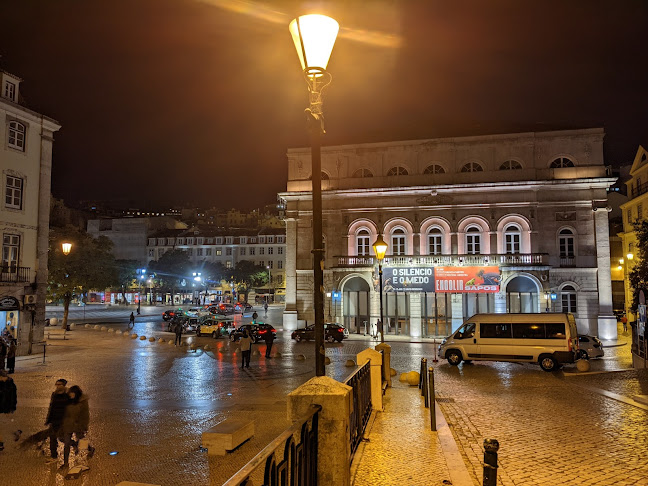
x=380, y=248
x=314, y=37
x=269, y=280
x=66, y=248
x=142, y=272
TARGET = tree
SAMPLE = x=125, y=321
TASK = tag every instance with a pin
x=639, y=273
x=248, y=274
x=171, y=270
x=126, y=272
x=90, y=265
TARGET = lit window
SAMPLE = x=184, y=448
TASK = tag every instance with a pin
x=561, y=162
x=472, y=167
x=398, y=242
x=434, y=169
x=473, y=240
x=512, y=239
x=16, y=135
x=394, y=171
x=362, y=173
x=510, y=165
x=362, y=242
x=13, y=192
x=435, y=241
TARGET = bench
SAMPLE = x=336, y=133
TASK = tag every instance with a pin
x=55, y=331
x=227, y=436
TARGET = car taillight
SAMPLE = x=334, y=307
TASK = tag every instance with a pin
x=339, y=330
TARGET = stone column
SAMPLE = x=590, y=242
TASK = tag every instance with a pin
x=607, y=324
x=334, y=448
x=375, y=360
x=416, y=329
x=290, y=312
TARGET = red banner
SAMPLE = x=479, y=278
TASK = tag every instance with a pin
x=475, y=280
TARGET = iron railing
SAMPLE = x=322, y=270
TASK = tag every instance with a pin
x=298, y=465
x=639, y=189
x=360, y=381
x=447, y=260
x=11, y=274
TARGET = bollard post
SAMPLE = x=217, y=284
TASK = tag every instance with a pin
x=491, y=446
x=433, y=425
x=426, y=384
x=422, y=375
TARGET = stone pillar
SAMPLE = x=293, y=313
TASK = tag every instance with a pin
x=416, y=329
x=290, y=312
x=334, y=448
x=375, y=359
x=607, y=324
x=386, y=349
x=457, y=311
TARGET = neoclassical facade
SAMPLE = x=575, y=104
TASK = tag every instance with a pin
x=500, y=223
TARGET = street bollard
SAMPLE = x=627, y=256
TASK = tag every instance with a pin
x=491, y=446
x=426, y=383
x=422, y=374
x=433, y=424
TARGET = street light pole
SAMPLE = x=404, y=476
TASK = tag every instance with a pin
x=380, y=248
x=66, y=248
x=314, y=37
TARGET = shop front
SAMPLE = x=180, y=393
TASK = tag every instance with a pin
x=10, y=315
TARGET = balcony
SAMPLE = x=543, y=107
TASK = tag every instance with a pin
x=639, y=190
x=14, y=274
x=504, y=260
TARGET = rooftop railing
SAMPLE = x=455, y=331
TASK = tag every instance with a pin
x=447, y=260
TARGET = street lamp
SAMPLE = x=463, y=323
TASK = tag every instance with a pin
x=380, y=248
x=314, y=37
x=66, y=248
x=269, y=280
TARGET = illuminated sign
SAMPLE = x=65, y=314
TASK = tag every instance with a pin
x=474, y=280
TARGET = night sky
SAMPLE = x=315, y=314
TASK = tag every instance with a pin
x=195, y=102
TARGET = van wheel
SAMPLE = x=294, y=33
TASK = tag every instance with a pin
x=547, y=362
x=454, y=357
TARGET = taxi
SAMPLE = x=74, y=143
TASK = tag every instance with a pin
x=212, y=326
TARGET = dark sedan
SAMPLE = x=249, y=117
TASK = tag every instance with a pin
x=168, y=315
x=255, y=331
x=332, y=332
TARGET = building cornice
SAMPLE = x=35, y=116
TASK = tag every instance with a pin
x=48, y=123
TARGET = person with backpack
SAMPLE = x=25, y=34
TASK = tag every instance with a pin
x=8, y=401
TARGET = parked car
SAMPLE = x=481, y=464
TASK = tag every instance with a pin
x=256, y=331
x=589, y=347
x=332, y=332
x=168, y=315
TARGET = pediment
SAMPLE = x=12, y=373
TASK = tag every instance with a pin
x=640, y=160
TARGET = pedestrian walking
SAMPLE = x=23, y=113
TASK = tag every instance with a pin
x=131, y=321
x=246, y=350
x=75, y=422
x=265, y=308
x=11, y=356
x=178, y=333
x=268, y=337
x=255, y=316
x=8, y=401
x=55, y=414
x=624, y=321
x=374, y=330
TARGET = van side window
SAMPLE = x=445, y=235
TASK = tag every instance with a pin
x=529, y=331
x=555, y=330
x=498, y=331
x=466, y=331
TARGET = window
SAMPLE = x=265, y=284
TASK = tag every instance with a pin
x=510, y=165
x=170, y=241
x=228, y=240
x=280, y=250
x=271, y=264
x=243, y=240
x=270, y=250
x=394, y=171
x=252, y=251
x=362, y=242
x=566, y=243
x=639, y=211
x=398, y=242
x=512, y=239
x=262, y=251
x=210, y=241
x=190, y=252
x=435, y=240
x=561, y=162
x=208, y=252
x=10, y=90
x=242, y=251
x=434, y=169
x=568, y=300
x=261, y=239
x=472, y=167
x=528, y=331
x=556, y=330
x=180, y=241
x=228, y=264
x=218, y=252
x=495, y=331
x=362, y=173
x=199, y=252
x=270, y=239
x=219, y=241
x=151, y=253
x=473, y=240
x=280, y=239
x=280, y=264
x=629, y=215
x=16, y=135
x=323, y=177
x=190, y=241
x=200, y=241
x=262, y=263
x=228, y=251
x=14, y=190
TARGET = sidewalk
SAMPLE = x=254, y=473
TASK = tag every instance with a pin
x=401, y=448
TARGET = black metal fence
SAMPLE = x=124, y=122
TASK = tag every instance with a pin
x=360, y=381
x=297, y=465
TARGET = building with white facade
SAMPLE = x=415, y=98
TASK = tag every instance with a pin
x=501, y=223
x=26, y=164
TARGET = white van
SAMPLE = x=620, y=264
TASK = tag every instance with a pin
x=546, y=339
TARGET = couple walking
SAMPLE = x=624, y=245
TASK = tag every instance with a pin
x=68, y=415
x=246, y=347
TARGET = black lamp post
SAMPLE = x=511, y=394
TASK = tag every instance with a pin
x=314, y=37
x=66, y=248
x=380, y=248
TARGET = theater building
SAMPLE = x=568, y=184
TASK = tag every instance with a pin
x=500, y=223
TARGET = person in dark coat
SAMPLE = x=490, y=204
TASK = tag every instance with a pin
x=55, y=414
x=8, y=401
x=255, y=316
x=131, y=321
x=178, y=333
x=11, y=356
x=265, y=308
x=3, y=352
x=268, y=337
x=75, y=421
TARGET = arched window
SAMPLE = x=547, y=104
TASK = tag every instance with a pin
x=394, y=171
x=434, y=169
x=323, y=177
x=472, y=167
x=512, y=239
x=568, y=299
x=510, y=165
x=473, y=240
x=398, y=243
x=363, y=173
x=562, y=162
x=362, y=242
x=435, y=241
x=16, y=135
x=566, y=243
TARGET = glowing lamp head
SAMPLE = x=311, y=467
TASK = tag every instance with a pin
x=380, y=248
x=619, y=267
x=66, y=247
x=630, y=256
x=621, y=260
x=314, y=36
